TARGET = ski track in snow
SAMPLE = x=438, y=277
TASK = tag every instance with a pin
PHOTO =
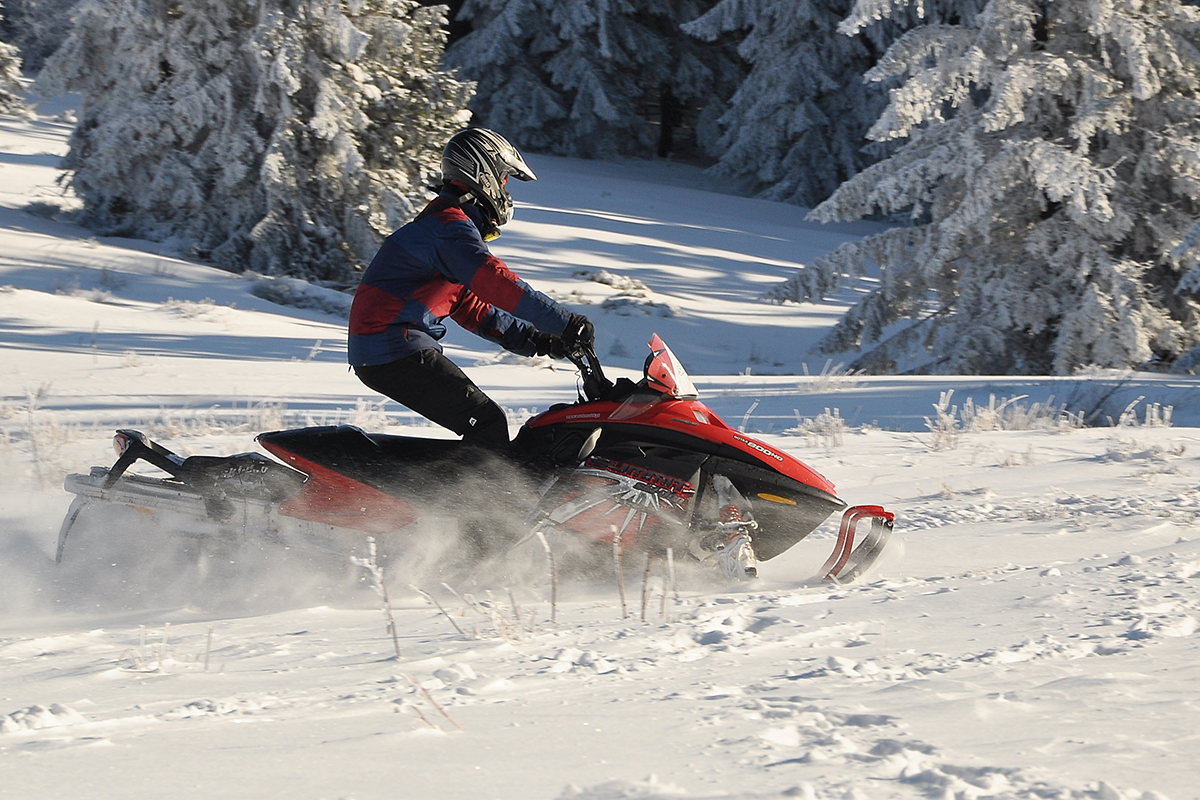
x=810, y=690
x=1032, y=633
x=816, y=721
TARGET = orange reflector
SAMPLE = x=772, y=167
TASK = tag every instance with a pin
x=774, y=498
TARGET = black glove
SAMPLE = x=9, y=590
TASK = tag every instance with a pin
x=580, y=334
x=545, y=344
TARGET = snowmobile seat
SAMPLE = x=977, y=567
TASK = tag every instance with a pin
x=397, y=465
x=352, y=452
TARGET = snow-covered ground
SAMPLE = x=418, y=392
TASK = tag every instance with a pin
x=1032, y=633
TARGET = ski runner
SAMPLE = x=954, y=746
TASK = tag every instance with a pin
x=439, y=266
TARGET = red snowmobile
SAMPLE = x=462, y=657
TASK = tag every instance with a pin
x=630, y=466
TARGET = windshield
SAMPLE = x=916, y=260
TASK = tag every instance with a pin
x=664, y=373
x=664, y=378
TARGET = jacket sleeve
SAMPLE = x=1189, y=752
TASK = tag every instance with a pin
x=484, y=319
x=513, y=306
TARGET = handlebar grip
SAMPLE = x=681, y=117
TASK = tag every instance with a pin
x=595, y=384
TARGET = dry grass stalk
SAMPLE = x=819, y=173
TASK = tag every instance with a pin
x=432, y=702
x=371, y=564
x=616, y=546
x=445, y=613
x=645, y=585
x=553, y=576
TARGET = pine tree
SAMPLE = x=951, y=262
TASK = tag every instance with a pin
x=591, y=78
x=1051, y=176
x=10, y=74
x=795, y=129
x=36, y=28
x=10, y=79
x=285, y=136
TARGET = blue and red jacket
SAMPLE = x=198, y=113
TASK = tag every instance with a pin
x=438, y=266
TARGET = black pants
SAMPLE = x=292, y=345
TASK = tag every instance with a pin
x=434, y=387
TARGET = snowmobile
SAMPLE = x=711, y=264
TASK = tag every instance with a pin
x=630, y=466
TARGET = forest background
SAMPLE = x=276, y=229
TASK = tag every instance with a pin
x=1038, y=160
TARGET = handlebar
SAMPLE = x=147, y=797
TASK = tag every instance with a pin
x=595, y=384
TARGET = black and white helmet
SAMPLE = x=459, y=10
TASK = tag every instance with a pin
x=483, y=160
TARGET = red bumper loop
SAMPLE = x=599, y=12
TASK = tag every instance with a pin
x=847, y=562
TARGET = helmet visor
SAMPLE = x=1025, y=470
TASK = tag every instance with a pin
x=516, y=166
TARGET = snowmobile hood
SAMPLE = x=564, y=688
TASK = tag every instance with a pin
x=686, y=421
x=664, y=405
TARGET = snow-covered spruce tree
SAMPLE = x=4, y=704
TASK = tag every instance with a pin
x=796, y=127
x=591, y=78
x=285, y=136
x=37, y=28
x=1051, y=173
x=10, y=75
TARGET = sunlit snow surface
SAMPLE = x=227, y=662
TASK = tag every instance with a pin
x=1032, y=633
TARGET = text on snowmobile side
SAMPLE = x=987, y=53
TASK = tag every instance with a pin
x=758, y=447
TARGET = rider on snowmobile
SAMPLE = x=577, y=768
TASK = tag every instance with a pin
x=439, y=266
